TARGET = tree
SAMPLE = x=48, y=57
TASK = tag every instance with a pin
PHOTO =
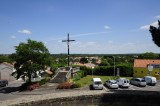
x=155, y=32
x=148, y=55
x=104, y=62
x=83, y=60
x=4, y=58
x=30, y=57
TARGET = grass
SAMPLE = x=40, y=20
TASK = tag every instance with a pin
x=85, y=81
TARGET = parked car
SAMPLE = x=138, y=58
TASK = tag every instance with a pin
x=123, y=82
x=150, y=80
x=112, y=84
x=138, y=82
x=97, y=83
x=3, y=83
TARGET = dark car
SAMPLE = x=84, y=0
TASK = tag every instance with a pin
x=3, y=83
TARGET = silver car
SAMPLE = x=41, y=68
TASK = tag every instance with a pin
x=112, y=84
x=138, y=82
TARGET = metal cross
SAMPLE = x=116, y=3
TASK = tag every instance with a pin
x=68, y=40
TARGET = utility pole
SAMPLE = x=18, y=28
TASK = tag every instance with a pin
x=68, y=40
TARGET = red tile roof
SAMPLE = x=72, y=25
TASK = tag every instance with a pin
x=145, y=62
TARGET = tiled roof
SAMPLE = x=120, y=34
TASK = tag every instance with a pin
x=145, y=62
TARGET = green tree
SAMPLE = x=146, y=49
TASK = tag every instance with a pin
x=155, y=32
x=148, y=55
x=83, y=60
x=4, y=58
x=30, y=57
x=104, y=62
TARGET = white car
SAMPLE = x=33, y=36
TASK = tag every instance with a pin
x=150, y=80
x=138, y=82
x=112, y=84
x=97, y=83
x=123, y=82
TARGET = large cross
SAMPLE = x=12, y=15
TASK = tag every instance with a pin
x=68, y=40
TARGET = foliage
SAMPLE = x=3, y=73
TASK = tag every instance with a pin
x=44, y=80
x=155, y=32
x=104, y=62
x=94, y=61
x=125, y=69
x=86, y=70
x=148, y=55
x=78, y=75
x=4, y=58
x=83, y=60
x=65, y=85
x=33, y=86
x=68, y=85
x=29, y=86
x=30, y=57
x=76, y=85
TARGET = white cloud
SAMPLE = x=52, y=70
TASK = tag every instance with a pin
x=106, y=27
x=157, y=17
x=13, y=37
x=25, y=31
x=146, y=27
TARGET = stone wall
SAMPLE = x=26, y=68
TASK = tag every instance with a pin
x=118, y=98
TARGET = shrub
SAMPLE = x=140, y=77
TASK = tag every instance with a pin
x=44, y=80
x=33, y=86
x=76, y=85
x=29, y=86
x=65, y=85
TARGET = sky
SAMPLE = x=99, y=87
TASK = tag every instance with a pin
x=97, y=26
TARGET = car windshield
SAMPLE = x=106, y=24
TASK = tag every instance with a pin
x=126, y=81
x=98, y=82
x=143, y=80
x=113, y=82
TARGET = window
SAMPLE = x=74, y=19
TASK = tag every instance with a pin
x=141, y=71
x=135, y=71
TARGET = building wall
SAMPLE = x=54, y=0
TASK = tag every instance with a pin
x=5, y=72
x=141, y=72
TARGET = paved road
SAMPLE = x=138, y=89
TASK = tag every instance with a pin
x=7, y=92
x=11, y=91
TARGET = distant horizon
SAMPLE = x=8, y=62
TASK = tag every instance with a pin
x=95, y=54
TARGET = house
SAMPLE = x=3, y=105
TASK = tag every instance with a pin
x=6, y=70
x=140, y=68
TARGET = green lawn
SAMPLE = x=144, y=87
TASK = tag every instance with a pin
x=85, y=81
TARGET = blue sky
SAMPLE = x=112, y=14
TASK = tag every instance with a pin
x=98, y=26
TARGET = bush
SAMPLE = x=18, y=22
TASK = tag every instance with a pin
x=33, y=86
x=76, y=85
x=45, y=80
x=65, y=85
x=29, y=86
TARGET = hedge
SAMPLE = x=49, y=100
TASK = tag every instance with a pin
x=124, y=70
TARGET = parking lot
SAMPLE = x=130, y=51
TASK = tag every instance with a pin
x=147, y=88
